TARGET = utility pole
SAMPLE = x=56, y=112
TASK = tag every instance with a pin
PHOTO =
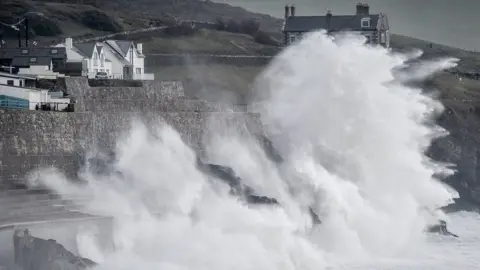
x=19, y=35
x=26, y=32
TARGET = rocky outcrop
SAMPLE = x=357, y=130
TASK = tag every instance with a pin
x=32, y=253
x=241, y=190
x=440, y=228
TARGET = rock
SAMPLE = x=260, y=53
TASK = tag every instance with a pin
x=440, y=228
x=32, y=253
x=237, y=188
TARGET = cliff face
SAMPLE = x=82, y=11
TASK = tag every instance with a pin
x=460, y=147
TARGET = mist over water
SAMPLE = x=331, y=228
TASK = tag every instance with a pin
x=353, y=138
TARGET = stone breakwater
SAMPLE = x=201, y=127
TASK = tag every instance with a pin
x=33, y=139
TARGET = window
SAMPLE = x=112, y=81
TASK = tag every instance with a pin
x=54, y=51
x=33, y=60
x=9, y=82
x=102, y=59
x=95, y=59
x=365, y=22
x=139, y=71
x=24, y=52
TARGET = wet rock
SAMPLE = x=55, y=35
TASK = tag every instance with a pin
x=440, y=228
x=32, y=253
x=237, y=188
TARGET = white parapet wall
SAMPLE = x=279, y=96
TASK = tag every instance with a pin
x=34, y=96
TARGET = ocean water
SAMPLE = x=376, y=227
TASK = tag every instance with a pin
x=353, y=137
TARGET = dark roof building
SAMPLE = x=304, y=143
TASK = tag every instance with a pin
x=375, y=27
x=26, y=57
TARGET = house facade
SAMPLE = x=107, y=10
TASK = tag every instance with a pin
x=19, y=92
x=39, y=62
x=128, y=59
x=88, y=57
x=120, y=59
x=374, y=27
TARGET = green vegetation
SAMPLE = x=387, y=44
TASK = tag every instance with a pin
x=204, y=42
x=98, y=20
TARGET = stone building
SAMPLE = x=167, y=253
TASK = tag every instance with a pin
x=374, y=27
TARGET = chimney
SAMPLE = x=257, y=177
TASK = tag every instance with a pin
x=287, y=11
x=140, y=48
x=68, y=43
x=329, y=19
x=363, y=9
x=292, y=10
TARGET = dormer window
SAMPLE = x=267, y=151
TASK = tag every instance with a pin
x=24, y=52
x=365, y=22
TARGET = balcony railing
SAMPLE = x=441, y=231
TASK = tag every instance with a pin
x=37, y=106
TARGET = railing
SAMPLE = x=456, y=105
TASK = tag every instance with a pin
x=37, y=106
x=53, y=106
x=144, y=76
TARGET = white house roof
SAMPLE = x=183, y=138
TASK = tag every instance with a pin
x=117, y=48
x=73, y=55
x=121, y=46
x=14, y=76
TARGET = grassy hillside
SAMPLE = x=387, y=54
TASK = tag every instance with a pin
x=469, y=61
x=94, y=17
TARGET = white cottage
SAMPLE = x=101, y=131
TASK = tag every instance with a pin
x=127, y=59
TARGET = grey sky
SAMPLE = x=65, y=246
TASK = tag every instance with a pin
x=451, y=22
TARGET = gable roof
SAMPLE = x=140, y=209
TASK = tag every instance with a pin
x=15, y=76
x=117, y=51
x=31, y=61
x=86, y=49
x=337, y=23
x=120, y=46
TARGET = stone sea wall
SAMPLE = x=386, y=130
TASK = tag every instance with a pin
x=32, y=139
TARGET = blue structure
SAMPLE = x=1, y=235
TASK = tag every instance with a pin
x=13, y=102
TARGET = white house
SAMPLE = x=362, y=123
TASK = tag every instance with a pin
x=118, y=58
x=16, y=80
x=128, y=60
x=18, y=92
x=91, y=55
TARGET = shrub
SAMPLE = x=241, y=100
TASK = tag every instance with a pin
x=98, y=20
x=250, y=27
x=184, y=29
x=220, y=24
x=264, y=38
x=232, y=26
x=42, y=26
